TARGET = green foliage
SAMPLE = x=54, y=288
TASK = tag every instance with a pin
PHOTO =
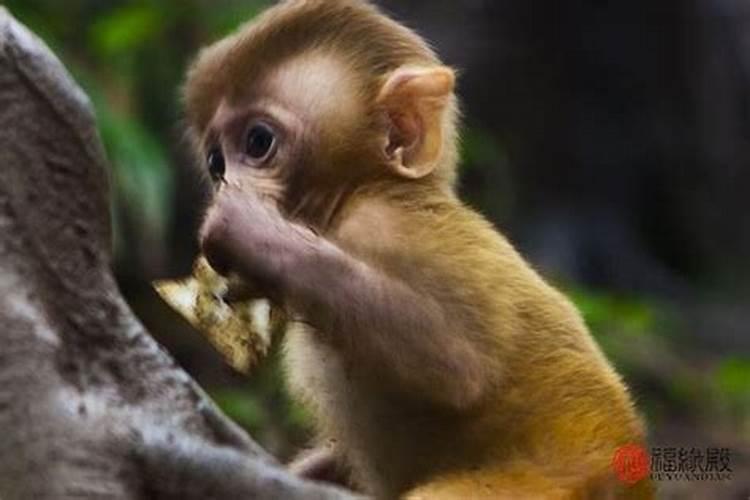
x=262, y=405
x=626, y=329
x=480, y=148
x=602, y=311
x=298, y=416
x=242, y=406
x=125, y=30
x=733, y=377
x=140, y=173
x=639, y=337
x=731, y=380
x=486, y=182
x=226, y=19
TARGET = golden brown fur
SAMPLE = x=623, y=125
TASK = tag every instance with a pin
x=505, y=395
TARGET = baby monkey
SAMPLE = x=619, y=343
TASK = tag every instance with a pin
x=436, y=362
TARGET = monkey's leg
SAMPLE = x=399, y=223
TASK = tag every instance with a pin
x=322, y=464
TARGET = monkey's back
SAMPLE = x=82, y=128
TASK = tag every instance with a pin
x=556, y=410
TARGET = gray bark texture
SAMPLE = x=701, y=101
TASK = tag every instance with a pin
x=90, y=405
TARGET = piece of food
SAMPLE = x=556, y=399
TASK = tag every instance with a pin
x=240, y=330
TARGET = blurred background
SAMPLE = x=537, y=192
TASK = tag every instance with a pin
x=610, y=141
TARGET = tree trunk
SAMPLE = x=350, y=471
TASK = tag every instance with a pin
x=90, y=405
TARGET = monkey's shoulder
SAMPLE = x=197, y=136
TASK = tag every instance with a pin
x=438, y=226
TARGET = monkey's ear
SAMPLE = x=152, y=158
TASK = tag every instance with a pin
x=414, y=100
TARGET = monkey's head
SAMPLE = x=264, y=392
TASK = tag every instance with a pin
x=315, y=99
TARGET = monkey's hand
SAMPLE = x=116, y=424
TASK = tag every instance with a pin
x=321, y=464
x=344, y=298
x=244, y=234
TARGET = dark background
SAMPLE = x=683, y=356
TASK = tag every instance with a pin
x=610, y=140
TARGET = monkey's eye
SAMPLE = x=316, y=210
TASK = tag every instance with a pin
x=216, y=166
x=260, y=141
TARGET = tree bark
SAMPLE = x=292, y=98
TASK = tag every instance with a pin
x=90, y=405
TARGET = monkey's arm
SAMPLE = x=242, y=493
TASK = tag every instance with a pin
x=379, y=321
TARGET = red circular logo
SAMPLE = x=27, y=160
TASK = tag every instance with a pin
x=631, y=463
